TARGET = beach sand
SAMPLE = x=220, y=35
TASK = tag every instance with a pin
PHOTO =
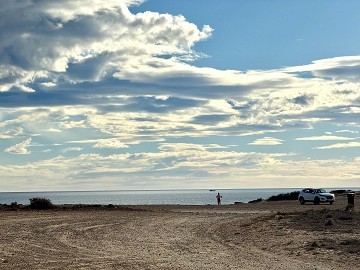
x=264, y=235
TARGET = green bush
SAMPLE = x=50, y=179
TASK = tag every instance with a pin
x=40, y=203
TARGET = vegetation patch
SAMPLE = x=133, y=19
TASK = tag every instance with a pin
x=284, y=196
x=41, y=204
x=257, y=200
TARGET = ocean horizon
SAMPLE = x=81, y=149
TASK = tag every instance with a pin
x=150, y=197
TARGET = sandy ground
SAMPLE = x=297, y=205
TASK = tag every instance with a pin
x=265, y=235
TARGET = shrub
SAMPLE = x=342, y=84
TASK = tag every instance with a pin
x=340, y=191
x=14, y=204
x=40, y=203
x=285, y=196
x=257, y=200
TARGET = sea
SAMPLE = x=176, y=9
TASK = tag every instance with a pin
x=149, y=197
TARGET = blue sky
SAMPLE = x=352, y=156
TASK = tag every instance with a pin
x=269, y=34
x=154, y=94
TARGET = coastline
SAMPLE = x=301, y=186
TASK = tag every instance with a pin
x=264, y=235
x=149, y=197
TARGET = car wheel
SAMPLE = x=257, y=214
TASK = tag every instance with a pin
x=316, y=200
x=301, y=200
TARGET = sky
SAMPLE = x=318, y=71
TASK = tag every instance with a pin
x=134, y=94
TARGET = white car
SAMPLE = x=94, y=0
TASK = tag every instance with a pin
x=315, y=195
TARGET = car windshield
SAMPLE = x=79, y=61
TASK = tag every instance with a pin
x=320, y=190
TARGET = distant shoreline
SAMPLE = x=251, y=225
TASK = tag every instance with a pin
x=138, y=197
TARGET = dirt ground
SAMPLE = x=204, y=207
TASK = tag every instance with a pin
x=264, y=235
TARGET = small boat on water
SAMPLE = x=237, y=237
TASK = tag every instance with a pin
x=212, y=190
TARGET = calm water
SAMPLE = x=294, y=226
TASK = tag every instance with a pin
x=184, y=197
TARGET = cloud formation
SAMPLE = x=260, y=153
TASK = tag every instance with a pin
x=347, y=131
x=174, y=169
x=20, y=148
x=71, y=149
x=267, y=141
x=340, y=145
x=102, y=56
x=122, y=95
x=76, y=41
x=324, y=138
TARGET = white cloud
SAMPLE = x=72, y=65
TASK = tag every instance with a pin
x=340, y=145
x=16, y=120
x=347, y=131
x=95, y=67
x=20, y=148
x=339, y=68
x=114, y=143
x=325, y=138
x=75, y=42
x=69, y=34
x=12, y=133
x=72, y=124
x=53, y=130
x=48, y=84
x=71, y=149
x=175, y=169
x=267, y=141
x=181, y=147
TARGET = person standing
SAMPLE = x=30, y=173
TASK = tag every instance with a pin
x=218, y=198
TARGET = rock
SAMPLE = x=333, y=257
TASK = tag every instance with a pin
x=314, y=244
x=329, y=222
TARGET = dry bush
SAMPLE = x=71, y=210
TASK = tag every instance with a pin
x=41, y=203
